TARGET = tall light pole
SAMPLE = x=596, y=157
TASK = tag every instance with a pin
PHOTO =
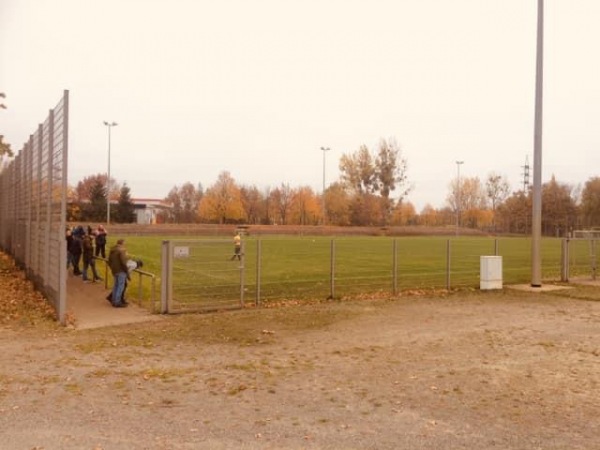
x=325, y=150
x=536, y=214
x=109, y=125
x=458, y=164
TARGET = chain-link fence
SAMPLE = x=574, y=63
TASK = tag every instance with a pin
x=200, y=275
x=33, y=191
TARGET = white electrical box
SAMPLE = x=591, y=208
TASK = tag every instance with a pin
x=490, y=272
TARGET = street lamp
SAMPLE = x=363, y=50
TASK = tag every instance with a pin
x=324, y=150
x=458, y=164
x=109, y=125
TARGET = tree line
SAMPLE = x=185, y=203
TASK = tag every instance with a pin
x=371, y=191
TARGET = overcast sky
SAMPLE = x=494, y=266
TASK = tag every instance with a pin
x=257, y=87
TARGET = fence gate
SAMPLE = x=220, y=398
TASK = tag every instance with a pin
x=201, y=275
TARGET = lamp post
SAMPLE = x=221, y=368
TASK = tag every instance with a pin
x=109, y=125
x=458, y=164
x=536, y=213
x=324, y=150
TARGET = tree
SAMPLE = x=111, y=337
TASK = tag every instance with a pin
x=357, y=171
x=4, y=146
x=365, y=174
x=590, y=202
x=281, y=202
x=253, y=204
x=222, y=201
x=337, y=203
x=94, y=207
x=190, y=202
x=83, y=188
x=466, y=198
x=404, y=214
x=428, y=216
x=366, y=210
x=125, y=210
x=514, y=214
x=559, y=212
x=497, y=190
x=390, y=169
x=305, y=208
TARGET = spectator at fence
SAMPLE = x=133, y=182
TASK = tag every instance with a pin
x=117, y=261
x=101, y=241
x=132, y=264
x=69, y=241
x=76, y=248
x=88, y=258
x=237, y=247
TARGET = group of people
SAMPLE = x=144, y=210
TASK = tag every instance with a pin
x=89, y=244
x=84, y=245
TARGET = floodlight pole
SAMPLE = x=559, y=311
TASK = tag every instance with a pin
x=536, y=215
x=458, y=164
x=109, y=125
x=325, y=150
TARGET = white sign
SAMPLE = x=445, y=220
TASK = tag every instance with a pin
x=181, y=252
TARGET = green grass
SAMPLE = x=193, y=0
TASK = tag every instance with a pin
x=299, y=267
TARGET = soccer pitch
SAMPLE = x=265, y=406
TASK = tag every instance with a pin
x=286, y=267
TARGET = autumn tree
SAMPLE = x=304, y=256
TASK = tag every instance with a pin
x=404, y=214
x=222, y=202
x=281, y=202
x=466, y=198
x=428, y=216
x=514, y=214
x=305, y=208
x=559, y=212
x=337, y=205
x=365, y=174
x=357, y=171
x=4, y=146
x=253, y=204
x=497, y=190
x=590, y=203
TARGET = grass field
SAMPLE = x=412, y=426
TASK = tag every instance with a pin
x=287, y=267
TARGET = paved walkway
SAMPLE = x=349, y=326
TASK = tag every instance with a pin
x=87, y=305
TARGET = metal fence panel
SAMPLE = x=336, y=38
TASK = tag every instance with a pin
x=200, y=275
x=33, y=206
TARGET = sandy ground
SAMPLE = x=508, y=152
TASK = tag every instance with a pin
x=506, y=370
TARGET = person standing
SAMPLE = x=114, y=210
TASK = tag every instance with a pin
x=117, y=261
x=69, y=239
x=88, y=258
x=237, y=247
x=101, y=241
x=76, y=248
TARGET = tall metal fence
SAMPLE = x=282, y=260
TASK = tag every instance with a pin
x=33, y=195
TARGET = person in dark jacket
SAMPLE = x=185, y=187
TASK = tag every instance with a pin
x=76, y=248
x=117, y=261
x=101, y=241
x=88, y=258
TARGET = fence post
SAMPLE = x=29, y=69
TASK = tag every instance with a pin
x=448, y=264
x=496, y=247
x=395, y=267
x=258, y=269
x=332, y=270
x=242, y=273
x=564, y=261
x=166, y=288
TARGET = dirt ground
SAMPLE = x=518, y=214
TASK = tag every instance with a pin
x=466, y=370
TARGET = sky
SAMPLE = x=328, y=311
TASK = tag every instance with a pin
x=257, y=87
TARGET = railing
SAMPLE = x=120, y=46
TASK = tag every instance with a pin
x=140, y=300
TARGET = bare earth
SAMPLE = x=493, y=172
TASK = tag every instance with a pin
x=470, y=370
